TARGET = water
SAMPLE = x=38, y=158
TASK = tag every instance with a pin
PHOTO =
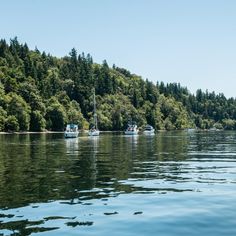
x=173, y=183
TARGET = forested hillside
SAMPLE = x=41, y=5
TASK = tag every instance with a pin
x=41, y=92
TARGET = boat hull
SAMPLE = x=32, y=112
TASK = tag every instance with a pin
x=127, y=132
x=147, y=132
x=94, y=133
x=71, y=134
x=131, y=130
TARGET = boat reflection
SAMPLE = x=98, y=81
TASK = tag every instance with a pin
x=72, y=145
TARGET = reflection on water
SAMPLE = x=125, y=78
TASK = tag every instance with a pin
x=124, y=185
x=72, y=146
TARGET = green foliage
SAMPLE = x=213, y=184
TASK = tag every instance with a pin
x=114, y=112
x=55, y=115
x=174, y=114
x=20, y=109
x=228, y=124
x=52, y=83
x=12, y=124
x=74, y=114
x=2, y=96
x=3, y=116
x=218, y=125
x=39, y=91
x=37, y=121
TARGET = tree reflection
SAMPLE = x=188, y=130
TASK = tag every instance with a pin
x=39, y=168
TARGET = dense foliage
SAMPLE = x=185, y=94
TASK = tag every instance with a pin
x=39, y=92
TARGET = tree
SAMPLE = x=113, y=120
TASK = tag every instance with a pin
x=55, y=115
x=2, y=96
x=228, y=124
x=36, y=86
x=12, y=124
x=20, y=109
x=3, y=116
x=52, y=83
x=74, y=114
x=37, y=121
x=104, y=80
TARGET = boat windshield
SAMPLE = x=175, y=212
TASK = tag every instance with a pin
x=148, y=127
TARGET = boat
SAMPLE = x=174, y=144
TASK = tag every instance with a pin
x=71, y=131
x=149, y=130
x=132, y=129
x=94, y=131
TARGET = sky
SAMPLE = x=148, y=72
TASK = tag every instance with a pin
x=191, y=42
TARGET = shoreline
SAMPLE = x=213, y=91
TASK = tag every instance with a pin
x=86, y=131
x=32, y=132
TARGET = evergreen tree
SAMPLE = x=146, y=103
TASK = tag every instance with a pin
x=36, y=88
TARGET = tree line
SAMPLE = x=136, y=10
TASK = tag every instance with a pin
x=41, y=92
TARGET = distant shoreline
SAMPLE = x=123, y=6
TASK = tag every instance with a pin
x=32, y=132
x=51, y=132
x=119, y=131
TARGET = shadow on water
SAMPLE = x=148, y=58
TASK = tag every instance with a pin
x=40, y=170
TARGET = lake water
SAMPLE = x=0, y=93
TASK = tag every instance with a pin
x=173, y=183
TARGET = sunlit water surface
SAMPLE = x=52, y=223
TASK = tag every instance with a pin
x=172, y=183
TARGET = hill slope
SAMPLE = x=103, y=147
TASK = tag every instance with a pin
x=39, y=91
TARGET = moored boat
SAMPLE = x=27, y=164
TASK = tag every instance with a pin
x=71, y=131
x=93, y=132
x=149, y=130
x=132, y=129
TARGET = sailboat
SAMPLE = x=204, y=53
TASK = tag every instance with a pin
x=94, y=130
x=149, y=130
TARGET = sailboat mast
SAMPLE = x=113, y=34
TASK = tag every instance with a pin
x=94, y=102
x=94, y=110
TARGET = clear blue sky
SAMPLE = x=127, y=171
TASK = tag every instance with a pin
x=192, y=42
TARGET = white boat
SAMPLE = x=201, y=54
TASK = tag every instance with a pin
x=94, y=131
x=132, y=129
x=71, y=131
x=149, y=130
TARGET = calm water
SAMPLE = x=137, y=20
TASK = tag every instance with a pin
x=173, y=183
